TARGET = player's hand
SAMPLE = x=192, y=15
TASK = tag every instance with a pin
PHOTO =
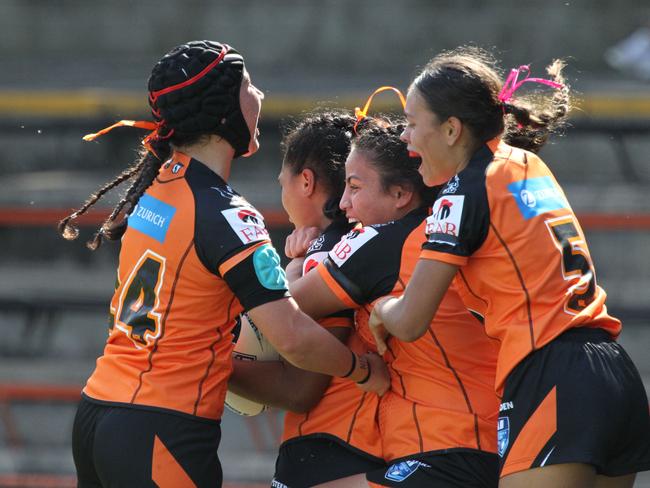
x=379, y=379
x=299, y=241
x=376, y=325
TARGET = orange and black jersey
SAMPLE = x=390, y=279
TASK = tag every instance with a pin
x=345, y=413
x=524, y=262
x=441, y=393
x=195, y=254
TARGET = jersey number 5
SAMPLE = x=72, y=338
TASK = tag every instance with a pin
x=136, y=313
x=576, y=262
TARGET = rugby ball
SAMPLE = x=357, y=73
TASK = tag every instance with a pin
x=251, y=345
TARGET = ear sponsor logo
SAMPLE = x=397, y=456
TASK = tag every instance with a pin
x=247, y=223
x=537, y=196
x=350, y=244
x=443, y=226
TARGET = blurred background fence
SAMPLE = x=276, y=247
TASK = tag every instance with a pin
x=70, y=67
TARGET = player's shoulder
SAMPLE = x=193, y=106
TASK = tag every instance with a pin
x=378, y=241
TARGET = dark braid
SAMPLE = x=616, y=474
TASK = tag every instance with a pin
x=321, y=142
x=142, y=172
x=186, y=115
x=465, y=83
x=531, y=122
x=379, y=139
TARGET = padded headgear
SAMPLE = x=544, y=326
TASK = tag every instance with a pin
x=207, y=105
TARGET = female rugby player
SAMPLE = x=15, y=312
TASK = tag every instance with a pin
x=573, y=410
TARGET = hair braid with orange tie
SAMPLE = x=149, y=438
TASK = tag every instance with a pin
x=193, y=92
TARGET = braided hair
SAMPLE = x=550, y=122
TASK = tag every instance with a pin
x=465, y=83
x=321, y=142
x=379, y=140
x=184, y=116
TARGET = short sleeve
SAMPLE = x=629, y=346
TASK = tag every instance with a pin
x=459, y=220
x=364, y=265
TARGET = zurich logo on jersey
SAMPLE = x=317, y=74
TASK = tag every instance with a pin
x=503, y=435
x=536, y=196
x=152, y=217
x=400, y=471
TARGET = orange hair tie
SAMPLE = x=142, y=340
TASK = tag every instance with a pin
x=361, y=114
x=140, y=124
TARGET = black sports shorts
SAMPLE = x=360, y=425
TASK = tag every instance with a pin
x=309, y=461
x=116, y=446
x=454, y=468
x=579, y=399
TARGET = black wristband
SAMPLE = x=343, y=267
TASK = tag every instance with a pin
x=365, y=380
x=352, y=368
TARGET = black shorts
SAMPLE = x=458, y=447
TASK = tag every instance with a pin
x=309, y=461
x=116, y=446
x=449, y=469
x=579, y=399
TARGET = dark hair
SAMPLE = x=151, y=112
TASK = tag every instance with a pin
x=379, y=140
x=321, y=142
x=185, y=115
x=465, y=83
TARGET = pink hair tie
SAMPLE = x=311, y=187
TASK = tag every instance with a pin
x=512, y=85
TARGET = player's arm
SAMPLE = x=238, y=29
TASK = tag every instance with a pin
x=307, y=345
x=279, y=384
x=407, y=317
x=315, y=296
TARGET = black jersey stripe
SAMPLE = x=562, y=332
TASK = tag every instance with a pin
x=417, y=427
x=354, y=417
x=521, y=282
x=469, y=288
x=453, y=370
x=214, y=356
x=164, y=320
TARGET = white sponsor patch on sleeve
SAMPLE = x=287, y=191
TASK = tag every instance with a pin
x=313, y=260
x=443, y=225
x=247, y=223
x=351, y=243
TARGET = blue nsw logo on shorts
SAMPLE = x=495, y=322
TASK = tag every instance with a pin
x=152, y=217
x=536, y=196
x=503, y=435
x=400, y=471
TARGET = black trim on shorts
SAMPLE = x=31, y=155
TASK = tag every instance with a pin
x=319, y=458
x=445, y=468
x=338, y=440
x=150, y=408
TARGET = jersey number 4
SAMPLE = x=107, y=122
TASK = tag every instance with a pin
x=576, y=262
x=136, y=314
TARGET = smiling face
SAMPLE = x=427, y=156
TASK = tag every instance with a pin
x=426, y=135
x=250, y=102
x=365, y=199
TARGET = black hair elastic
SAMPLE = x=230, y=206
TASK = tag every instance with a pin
x=365, y=380
x=354, y=365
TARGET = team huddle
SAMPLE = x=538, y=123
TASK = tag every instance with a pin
x=439, y=322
